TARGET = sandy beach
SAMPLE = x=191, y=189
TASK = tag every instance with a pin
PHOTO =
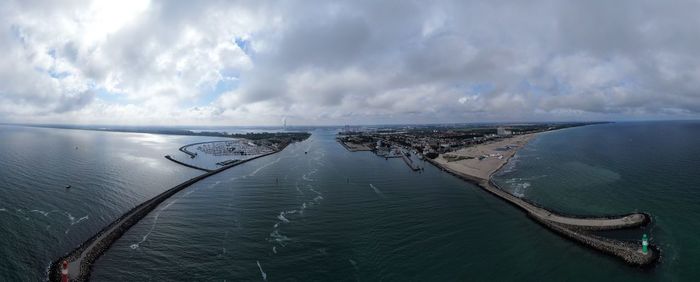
x=482, y=160
x=478, y=163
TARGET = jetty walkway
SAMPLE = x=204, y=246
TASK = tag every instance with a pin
x=576, y=228
x=81, y=259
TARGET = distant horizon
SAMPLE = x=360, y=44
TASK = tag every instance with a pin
x=184, y=127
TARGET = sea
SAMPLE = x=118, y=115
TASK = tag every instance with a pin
x=316, y=212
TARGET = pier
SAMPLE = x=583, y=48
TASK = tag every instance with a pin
x=410, y=163
x=81, y=259
x=576, y=228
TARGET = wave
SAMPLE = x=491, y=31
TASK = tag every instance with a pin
x=274, y=249
x=2, y=209
x=264, y=275
x=317, y=192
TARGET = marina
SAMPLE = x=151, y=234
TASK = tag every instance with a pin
x=76, y=265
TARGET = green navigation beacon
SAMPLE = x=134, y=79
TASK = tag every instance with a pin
x=645, y=244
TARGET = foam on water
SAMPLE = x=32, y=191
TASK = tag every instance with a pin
x=282, y=218
x=520, y=189
x=153, y=226
x=279, y=238
x=264, y=166
x=296, y=186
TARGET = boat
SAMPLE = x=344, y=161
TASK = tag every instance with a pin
x=68, y=186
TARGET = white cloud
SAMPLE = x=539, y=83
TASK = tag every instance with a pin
x=222, y=62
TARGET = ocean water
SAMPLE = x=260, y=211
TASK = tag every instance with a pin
x=315, y=212
x=109, y=173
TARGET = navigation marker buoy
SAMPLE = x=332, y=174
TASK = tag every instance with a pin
x=645, y=244
x=64, y=271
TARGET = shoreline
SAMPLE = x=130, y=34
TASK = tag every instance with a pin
x=82, y=257
x=572, y=227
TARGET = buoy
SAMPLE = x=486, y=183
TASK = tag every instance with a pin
x=68, y=186
x=64, y=271
x=645, y=244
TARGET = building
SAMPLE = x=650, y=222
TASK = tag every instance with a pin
x=503, y=132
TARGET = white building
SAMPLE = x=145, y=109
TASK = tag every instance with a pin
x=503, y=132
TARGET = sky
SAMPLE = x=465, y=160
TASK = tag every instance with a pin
x=347, y=62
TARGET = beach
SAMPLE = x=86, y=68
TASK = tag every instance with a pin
x=478, y=163
x=481, y=161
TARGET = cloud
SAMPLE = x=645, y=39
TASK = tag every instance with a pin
x=340, y=62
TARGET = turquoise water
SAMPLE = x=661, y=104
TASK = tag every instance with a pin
x=652, y=167
x=334, y=215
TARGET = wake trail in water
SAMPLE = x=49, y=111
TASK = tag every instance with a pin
x=264, y=275
x=376, y=190
x=153, y=226
x=73, y=221
x=354, y=264
x=264, y=166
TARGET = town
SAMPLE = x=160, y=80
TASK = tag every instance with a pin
x=431, y=141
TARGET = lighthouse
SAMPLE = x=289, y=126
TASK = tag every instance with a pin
x=645, y=244
x=64, y=271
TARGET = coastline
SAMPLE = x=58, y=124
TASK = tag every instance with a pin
x=573, y=227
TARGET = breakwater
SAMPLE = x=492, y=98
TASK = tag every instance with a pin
x=80, y=260
x=184, y=150
x=186, y=164
x=576, y=227
x=410, y=163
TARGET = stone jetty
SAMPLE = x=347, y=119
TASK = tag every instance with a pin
x=81, y=259
x=576, y=228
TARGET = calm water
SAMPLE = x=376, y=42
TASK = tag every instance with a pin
x=109, y=173
x=335, y=215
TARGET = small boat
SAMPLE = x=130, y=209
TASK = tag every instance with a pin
x=68, y=186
